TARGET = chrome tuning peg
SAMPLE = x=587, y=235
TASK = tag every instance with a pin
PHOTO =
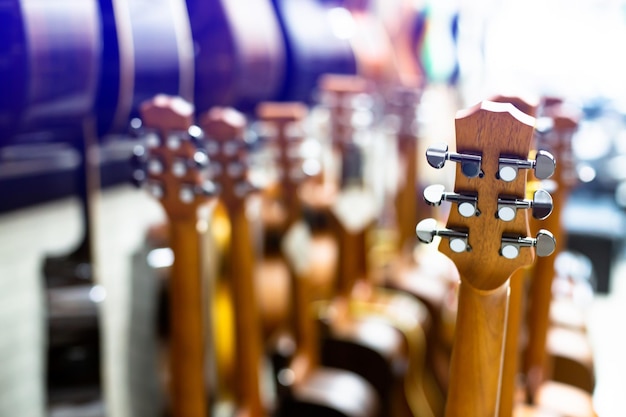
x=138, y=162
x=435, y=194
x=541, y=205
x=545, y=244
x=426, y=230
x=544, y=166
x=181, y=166
x=196, y=134
x=438, y=154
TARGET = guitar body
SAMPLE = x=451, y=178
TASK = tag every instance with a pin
x=41, y=42
x=313, y=49
x=133, y=70
x=240, y=56
x=322, y=394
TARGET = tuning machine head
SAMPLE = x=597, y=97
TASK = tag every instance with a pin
x=426, y=230
x=435, y=194
x=544, y=244
x=541, y=205
x=438, y=154
x=544, y=165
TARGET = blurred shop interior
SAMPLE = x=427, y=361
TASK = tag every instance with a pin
x=252, y=207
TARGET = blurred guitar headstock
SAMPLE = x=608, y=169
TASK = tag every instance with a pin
x=224, y=132
x=172, y=164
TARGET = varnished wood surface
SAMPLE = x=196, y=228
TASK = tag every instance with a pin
x=476, y=364
x=173, y=116
x=540, y=296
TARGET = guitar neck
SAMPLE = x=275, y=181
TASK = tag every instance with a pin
x=240, y=268
x=558, y=141
x=225, y=128
x=408, y=210
x=174, y=174
x=187, y=342
x=475, y=368
x=486, y=243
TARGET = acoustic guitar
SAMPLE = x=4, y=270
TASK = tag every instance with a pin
x=305, y=388
x=40, y=105
x=40, y=41
x=175, y=176
x=224, y=132
x=133, y=70
x=416, y=270
x=556, y=350
x=354, y=320
x=486, y=243
x=517, y=299
x=314, y=47
x=240, y=53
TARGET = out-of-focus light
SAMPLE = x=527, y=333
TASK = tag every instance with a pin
x=586, y=173
x=286, y=377
x=620, y=194
x=617, y=167
x=311, y=167
x=97, y=294
x=135, y=123
x=342, y=23
x=160, y=258
x=310, y=149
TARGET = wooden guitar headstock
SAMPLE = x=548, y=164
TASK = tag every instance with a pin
x=487, y=233
x=224, y=138
x=563, y=122
x=346, y=96
x=174, y=163
x=282, y=124
x=402, y=103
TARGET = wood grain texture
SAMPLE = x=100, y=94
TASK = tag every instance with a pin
x=173, y=116
x=540, y=294
x=226, y=126
x=491, y=130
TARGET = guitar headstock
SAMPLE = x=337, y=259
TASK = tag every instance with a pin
x=350, y=103
x=224, y=138
x=282, y=125
x=402, y=103
x=488, y=231
x=561, y=124
x=175, y=166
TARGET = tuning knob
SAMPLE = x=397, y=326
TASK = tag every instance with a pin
x=138, y=162
x=426, y=230
x=541, y=205
x=435, y=194
x=545, y=243
x=438, y=154
x=544, y=165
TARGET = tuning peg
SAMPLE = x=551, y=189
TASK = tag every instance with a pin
x=138, y=164
x=544, y=166
x=426, y=230
x=135, y=127
x=438, y=154
x=199, y=161
x=541, y=205
x=545, y=243
x=156, y=189
x=435, y=194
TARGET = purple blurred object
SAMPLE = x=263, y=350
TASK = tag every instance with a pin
x=49, y=65
x=147, y=50
x=313, y=47
x=239, y=52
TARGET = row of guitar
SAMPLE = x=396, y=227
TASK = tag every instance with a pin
x=356, y=318
x=60, y=63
